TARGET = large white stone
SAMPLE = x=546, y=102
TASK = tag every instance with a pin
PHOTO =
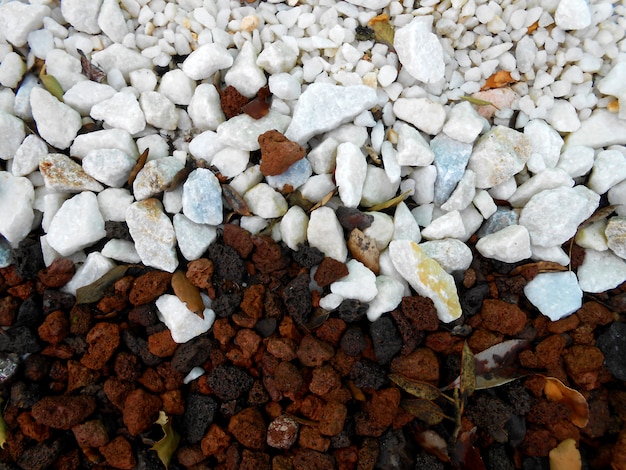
x=601, y=271
x=572, y=14
x=464, y=123
x=193, y=239
x=323, y=107
x=556, y=295
x=451, y=254
x=413, y=150
x=83, y=16
x=231, y=161
x=183, y=324
x=608, y=169
x=176, y=86
x=245, y=75
x=77, y=224
x=204, y=108
x=388, y=296
x=449, y=225
x=265, y=201
x=377, y=187
x=121, y=58
x=545, y=141
x=359, y=284
x=326, y=234
x=109, y=166
x=155, y=177
x=94, y=267
x=121, y=250
x=243, y=131
x=12, y=134
x=206, y=60
x=550, y=178
x=85, y=94
x=405, y=227
x=16, y=207
x=277, y=57
x=202, y=197
x=425, y=114
x=57, y=123
x=577, y=160
x=111, y=20
x=113, y=203
x=350, y=172
x=28, y=155
x=420, y=51
x=510, y=245
x=293, y=227
x=153, y=234
x=159, y=111
x=121, y=111
x=104, y=139
x=601, y=129
x=18, y=19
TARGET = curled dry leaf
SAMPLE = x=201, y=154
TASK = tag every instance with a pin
x=95, y=291
x=235, y=201
x=556, y=391
x=166, y=447
x=141, y=161
x=530, y=270
x=188, y=293
x=499, y=79
x=425, y=410
x=391, y=202
x=415, y=387
x=565, y=456
x=89, y=70
x=468, y=372
x=364, y=249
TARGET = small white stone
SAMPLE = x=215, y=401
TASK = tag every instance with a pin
x=11, y=135
x=193, y=239
x=550, y=178
x=377, y=187
x=77, y=224
x=381, y=229
x=608, y=169
x=62, y=174
x=255, y=224
x=572, y=14
x=316, y=187
x=206, y=60
x=159, y=111
x=293, y=227
x=231, y=161
x=284, y=86
x=425, y=114
x=121, y=250
x=194, y=374
x=176, y=86
x=331, y=301
x=277, y=57
x=94, y=267
x=389, y=295
x=153, y=234
x=122, y=58
x=601, y=129
x=405, y=227
x=449, y=225
x=155, y=177
x=264, y=201
x=563, y=117
x=390, y=161
x=556, y=295
x=52, y=202
x=57, y=123
x=243, y=131
x=113, y=203
x=183, y=324
x=104, y=139
x=413, y=150
x=350, y=172
x=424, y=184
x=12, y=69
x=85, y=94
x=577, y=160
x=451, y=254
x=18, y=19
x=601, y=271
x=205, y=109
x=122, y=111
x=245, y=75
x=359, y=284
x=504, y=190
x=323, y=156
x=484, y=203
x=420, y=51
x=326, y=234
x=463, y=194
x=464, y=123
x=111, y=20
x=143, y=80
x=550, y=253
x=202, y=197
x=109, y=166
x=545, y=141
x=83, y=16
x=16, y=207
x=510, y=245
x=28, y=154
x=593, y=236
x=205, y=146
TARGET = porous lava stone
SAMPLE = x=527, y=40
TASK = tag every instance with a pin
x=385, y=338
x=229, y=382
x=199, y=413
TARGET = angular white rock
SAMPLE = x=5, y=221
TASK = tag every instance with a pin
x=420, y=51
x=498, y=155
x=184, y=325
x=111, y=20
x=616, y=235
x=12, y=69
x=556, y=295
x=76, y=225
x=121, y=250
x=350, y=172
x=359, y=284
x=449, y=225
x=153, y=234
x=577, y=160
x=83, y=16
x=389, y=295
x=104, y=139
x=57, y=123
x=601, y=129
x=284, y=86
x=62, y=174
x=264, y=201
x=204, y=108
x=122, y=58
x=293, y=227
x=18, y=19
x=510, y=245
x=601, y=271
x=121, y=111
x=159, y=111
x=231, y=161
x=593, y=236
x=316, y=187
x=243, y=131
x=390, y=161
x=550, y=178
x=553, y=216
x=550, y=253
x=425, y=114
x=381, y=230
x=413, y=150
x=326, y=234
x=113, y=203
x=176, y=86
x=405, y=227
x=323, y=155
x=427, y=277
x=85, y=94
x=16, y=207
x=545, y=141
x=323, y=107
x=377, y=187
x=464, y=123
x=463, y=194
x=451, y=254
x=205, y=146
x=608, y=169
x=277, y=57
x=245, y=75
x=155, y=177
x=109, y=166
x=563, y=117
x=572, y=14
x=202, y=197
x=484, y=203
x=193, y=239
x=94, y=267
x=28, y=155
x=12, y=134
x=206, y=60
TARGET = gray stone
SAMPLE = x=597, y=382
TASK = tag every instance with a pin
x=451, y=157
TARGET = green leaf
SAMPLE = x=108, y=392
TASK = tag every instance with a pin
x=383, y=31
x=51, y=84
x=390, y=203
x=415, y=387
x=468, y=371
x=478, y=101
x=425, y=410
x=3, y=429
x=95, y=291
x=166, y=447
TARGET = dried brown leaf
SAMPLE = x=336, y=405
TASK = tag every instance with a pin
x=530, y=270
x=89, y=70
x=383, y=31
x=95, y=291
x=533, y=27
x=415, y=387
x=391, y=202
x=557, y=391
x=187, y=293
x=324, y=200
x=141, y=161
x=498, y=80
x=468, y=372
x=425, y=410
x=235, y=201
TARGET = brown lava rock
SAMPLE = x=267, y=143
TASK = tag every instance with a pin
x=90, y=434
x=149, y=286
x=103, y=340
x=502, y=317
x=215, y=441
x=583, y=364
x=161, y=344
x=278, y=153
x=141, y=410
x=329, y=271
x=378, y=413
x=58, y=273
x=314, y=352
x=421, y=364
x=119, y=454
x=282, y=432
x=421, y=312
x=249, y=428
x=63, y=412
x=54, y=328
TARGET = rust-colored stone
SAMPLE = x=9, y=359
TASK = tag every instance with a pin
x=314, y=352
x=594, y=313
x=239, y=239
x=54, y=328
x=249, y=428
x=502, y=317
x=310, y=438
x=63, y=412
x=119, y=454
x=90, y=434
x=58, y=273
x=421, y=364
x=378, y=413
x=329, y=271
x=583, y=363
x=278, y=153
x=149, y=286
x=323, y=380
x=331, y=330
x=161, y=344
x=141, y=410
x=103, y=340
x=32, y=429
x=332, y=418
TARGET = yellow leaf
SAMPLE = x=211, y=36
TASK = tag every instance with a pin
x=556, y=391
x=382, y=29
x=425, y=410
x=390, y=203
x=188, y=293
x=498, y=80
x=166, y=447
x=468, y=372
x=51, y=84
x=3, y=430
x=415, y=387
x=565, y=456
